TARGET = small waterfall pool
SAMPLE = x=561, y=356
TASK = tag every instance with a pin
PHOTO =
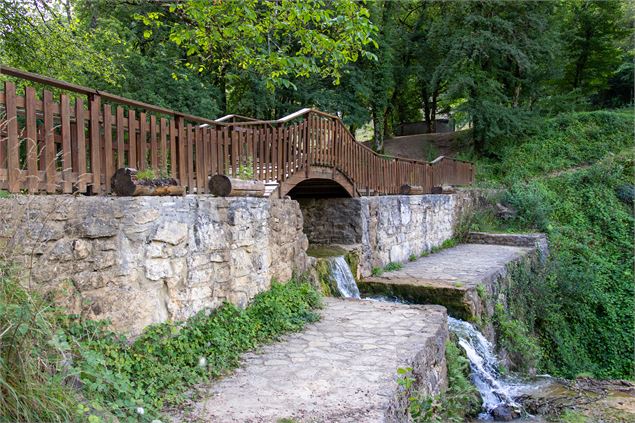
x=496, y=391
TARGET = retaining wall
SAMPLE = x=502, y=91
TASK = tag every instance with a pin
x=387, y=228
x=144, y=260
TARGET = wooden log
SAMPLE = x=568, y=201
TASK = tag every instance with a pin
x=444, y=189
x=224, y=186
x=407, y=189
x=125, y=183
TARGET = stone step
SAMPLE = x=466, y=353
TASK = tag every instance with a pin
x=340, y=369
x=466, y=279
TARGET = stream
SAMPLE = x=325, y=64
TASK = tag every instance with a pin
x=497, y=392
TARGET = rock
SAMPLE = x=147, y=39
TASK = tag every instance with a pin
x=171, y=232
x=505, y=413
x=504, y=212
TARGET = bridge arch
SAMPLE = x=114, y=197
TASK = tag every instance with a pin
x=318, y=182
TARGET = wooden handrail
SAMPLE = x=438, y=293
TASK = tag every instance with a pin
x=45, y=80
x=78, y=147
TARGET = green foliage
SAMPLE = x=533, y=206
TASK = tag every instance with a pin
x=413, y=257
x=246, y=170
x=168, y=358
x=34, y=361
x=460, y=401
x=44, y=350
x=513, y=336
x=146, y=175
x=377, y=271
x=582, y=308
x=4, y=194
x=393, y=266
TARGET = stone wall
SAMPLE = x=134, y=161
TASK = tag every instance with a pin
x=144, y=260
x=387, y=228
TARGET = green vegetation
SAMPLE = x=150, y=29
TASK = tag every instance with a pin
x=246, y=170
x=514, y=338
x=459, y=401
x=146, y=175
x=393, y=266
x=412, y=257
x=567, y=182
x=377, y=271
x=4, y=194
x=31, y=388
x=45, y=352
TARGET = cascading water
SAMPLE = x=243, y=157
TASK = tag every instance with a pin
x=343, y=277
x=494, y=391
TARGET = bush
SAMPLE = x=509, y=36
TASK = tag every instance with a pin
x=582, y=309
x=41, y=348
x=32, y=368
x=459, y=401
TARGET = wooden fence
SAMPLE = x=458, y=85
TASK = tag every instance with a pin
x=69, y=138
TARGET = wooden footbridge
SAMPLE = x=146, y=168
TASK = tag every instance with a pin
x=57, y=137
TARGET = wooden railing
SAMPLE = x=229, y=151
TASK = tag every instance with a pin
x=72, y=139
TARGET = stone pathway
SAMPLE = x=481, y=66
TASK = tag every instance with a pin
x=340, y=369
x=460, y=278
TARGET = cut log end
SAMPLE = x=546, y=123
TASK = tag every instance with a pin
x=224, y=186
x=122, y=181
x=407, y=189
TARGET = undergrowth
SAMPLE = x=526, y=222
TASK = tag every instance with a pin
x=43, y=349
x=459, y=401
x=582, y=308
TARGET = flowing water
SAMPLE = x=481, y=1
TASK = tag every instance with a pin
x=495, y=390
x=343, y=277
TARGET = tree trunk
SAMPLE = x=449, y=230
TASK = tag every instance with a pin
x=224, y=186
x=433, y=111
x=378, y=130
x=125, y=183
x=426, y=110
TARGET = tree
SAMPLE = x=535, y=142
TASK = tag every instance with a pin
x=593, y=34
x=276, y=39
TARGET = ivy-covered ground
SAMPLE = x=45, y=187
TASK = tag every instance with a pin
x=574, y=181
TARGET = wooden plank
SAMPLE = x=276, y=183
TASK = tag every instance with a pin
x=199, y=159
x=182, y=150
x=67, y=164
x=132, y=139
x=226, y=142
x=49, y=142
x=235, y=140
x=154, y=149
x=13, y=142
x=190, y=157
x=95, y=148
x=163, y=145
x=80, y=137
x=143, y=141
x=31, y=139
x=173, y=153
x=121, y=154
x=108, y=152
x=50, y=151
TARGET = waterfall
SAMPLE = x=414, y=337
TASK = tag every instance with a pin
x=343, y=277
x=494, y=391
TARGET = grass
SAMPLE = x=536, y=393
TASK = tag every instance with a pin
x=122, y=379
x=572, y=181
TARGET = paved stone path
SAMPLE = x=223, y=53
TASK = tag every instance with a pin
x=340, y=369
x=465, y=265
x=466, y=279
